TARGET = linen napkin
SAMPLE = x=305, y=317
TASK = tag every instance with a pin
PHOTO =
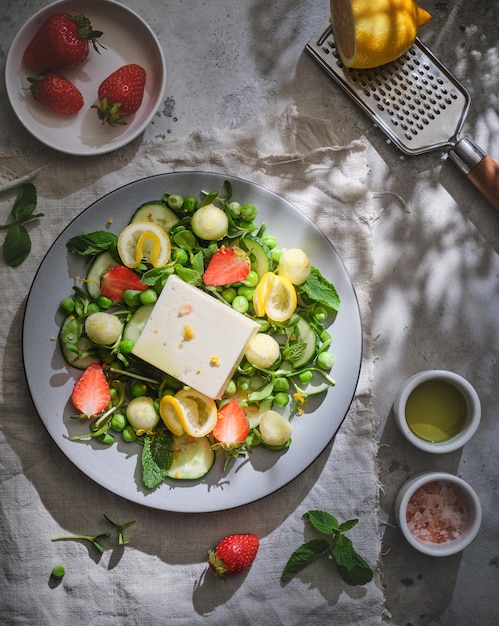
x=160, y=577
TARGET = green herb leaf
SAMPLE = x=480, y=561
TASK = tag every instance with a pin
x=156, y=276
x=359, y=573
x=25, y=203
x=304, y=555
x=93, y=243
x=322, y=521
x=157, y=456
x=188, y=275
x=208, y=199
x=17, y=245
x=319, y=289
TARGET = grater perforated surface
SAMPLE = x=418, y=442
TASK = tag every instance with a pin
x=415, y=100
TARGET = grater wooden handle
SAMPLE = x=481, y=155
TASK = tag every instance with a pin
x=485, y=177
x=480, y=169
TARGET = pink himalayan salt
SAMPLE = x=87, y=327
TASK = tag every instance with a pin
x=438, y=512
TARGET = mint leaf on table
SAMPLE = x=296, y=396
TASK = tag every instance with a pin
x=157, y=457
x=93, y=243
x=17, y=244
x=351, y=566
x=319, y=289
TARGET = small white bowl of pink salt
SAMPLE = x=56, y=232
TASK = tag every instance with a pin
x=438, y=513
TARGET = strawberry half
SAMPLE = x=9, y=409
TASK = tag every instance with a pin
x=91, y=394
x=56, y=93
x=234, y=554
x=118, y=279
x=232, y=426
x=120, y=94
x=226, y=266
x=61, y=42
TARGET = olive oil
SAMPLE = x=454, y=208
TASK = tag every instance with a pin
x=436, y=411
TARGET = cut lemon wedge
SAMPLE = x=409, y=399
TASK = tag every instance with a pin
x=274, y=296
x=199, y=413
x=170, y=410
x=144, y=241
x=369, y=33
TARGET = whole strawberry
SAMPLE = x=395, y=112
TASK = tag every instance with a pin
x=233, y=554
x=56, y=93
x=60, y=43
x=120, y=94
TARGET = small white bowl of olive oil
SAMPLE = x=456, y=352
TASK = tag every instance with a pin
x=438, y=411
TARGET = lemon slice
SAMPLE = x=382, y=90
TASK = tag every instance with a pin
x=369, y=33
x=199, y=413
x=170, y=410
x=261, y=293
x=144, y=241
x=280, y=303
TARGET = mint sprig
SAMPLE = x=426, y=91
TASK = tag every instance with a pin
x=17, y=244
x=351, y=566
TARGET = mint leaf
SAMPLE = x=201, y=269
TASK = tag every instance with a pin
x=93, y=243
x=304, y=555
x=17, y=245
x=25, y=203
x=319, y=289
x=359, y=573
x=188, y=275
x=157, y=456
x=322, y=521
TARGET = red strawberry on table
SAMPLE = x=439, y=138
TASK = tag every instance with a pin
x=56, y=93
x=232, y=426
x=233, y=554
x=118, y=279
x=91, y=394
x=228, y=265
x=61, y=42
x=120, y=94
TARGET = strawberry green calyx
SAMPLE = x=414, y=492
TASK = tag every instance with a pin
x=85, y=31
x=109, y=113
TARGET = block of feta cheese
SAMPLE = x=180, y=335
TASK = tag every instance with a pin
x=194, y=337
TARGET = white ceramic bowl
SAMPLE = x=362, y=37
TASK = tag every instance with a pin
x=471, y=407
x=470, y=526
x=127, y=39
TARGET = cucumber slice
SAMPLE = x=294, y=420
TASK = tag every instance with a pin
x=259, y=254
x=102, y=262
x=193, y=458
x=136, y=323
x=86, y=355
x=309, y=337
x=156, y=212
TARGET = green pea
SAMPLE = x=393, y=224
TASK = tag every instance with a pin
x=246, y=292
x=240, y=304
x=270, y=241
x=131, y=297
x=231, y=388
x=138, y=389
x=248, y=212
x=126, y=346
x=190, y=204
x=212, y=247
x=228, y=294
x=67, y=305
x=128, y=433
x=305, y=377
x=281, y=399
x=320, y=313
x=243, y=383
x=281, y=384
x=175, y=201
x=149, y=296
x=104, y=302
x=118, y=422
x=58, y=572
x=251, y=279
x=325, y=360
x=235, y=209
x=180, y=256
x=276, y=255
x=93, y=307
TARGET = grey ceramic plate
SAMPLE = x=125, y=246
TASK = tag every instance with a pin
x=117, y=468
x=127, y=39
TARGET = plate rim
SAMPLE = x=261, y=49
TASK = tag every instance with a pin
x=12, y=69
x=138, y=496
